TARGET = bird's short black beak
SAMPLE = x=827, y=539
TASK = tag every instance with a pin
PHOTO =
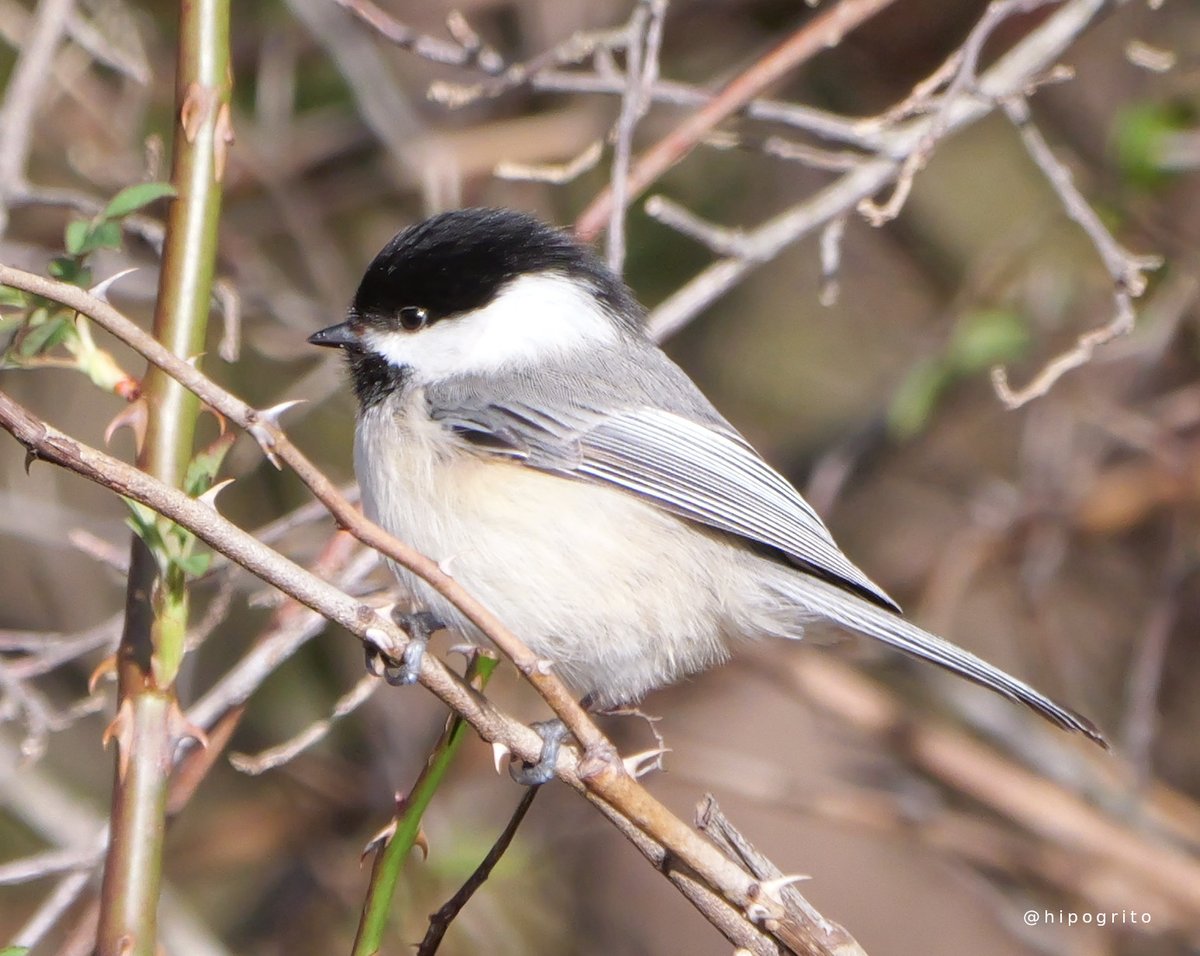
x=340, y=336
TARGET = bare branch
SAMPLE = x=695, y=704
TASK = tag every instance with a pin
x=725, y=242
x=280, y=754
x=52, y=909
x=831, y=260
x=41, y=865
x=440, y=921
x=863, y=133
x=599, y=773
x=575, y=49
x=825, y=30
x=554, y=174
x=466, y=48
x=960, y=75
x=1127, y=270
x=1009, y=76
x=641, y=70
x=23, y=92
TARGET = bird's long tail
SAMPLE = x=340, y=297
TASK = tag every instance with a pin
x=834, y=603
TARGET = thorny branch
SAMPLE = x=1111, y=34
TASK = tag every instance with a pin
x=891, y=152
x=597, y=772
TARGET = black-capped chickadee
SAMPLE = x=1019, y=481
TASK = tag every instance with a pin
x=516, y=421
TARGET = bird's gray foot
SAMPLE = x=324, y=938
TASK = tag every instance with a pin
x=418, y=626
x=552, y=732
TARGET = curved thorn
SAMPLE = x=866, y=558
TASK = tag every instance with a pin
x=274, y=413
x=639, y=764
x=100, y=289
x=210, y=497
x=500, y=753
x=771, y=888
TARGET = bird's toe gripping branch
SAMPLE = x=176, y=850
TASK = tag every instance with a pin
x=419, y=626
x=553, y=733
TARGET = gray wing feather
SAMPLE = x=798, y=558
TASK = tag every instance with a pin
x=716, y=479
x=690, y=462
x=653, y=434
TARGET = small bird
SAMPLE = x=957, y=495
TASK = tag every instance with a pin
x=516, y=421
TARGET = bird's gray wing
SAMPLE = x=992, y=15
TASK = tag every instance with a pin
x=695, y=465
x=700, y=470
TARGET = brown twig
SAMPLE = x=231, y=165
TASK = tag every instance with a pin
x=440, y=921
x=642, y=46
x=1126, y=270
x=1009, y=76
x=598, y=774
x=466, y=49
x=820, y=33
x=23, y=92
x=1026, y=797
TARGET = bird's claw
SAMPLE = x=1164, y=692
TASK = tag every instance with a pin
x=552, y=732
x=418, y=626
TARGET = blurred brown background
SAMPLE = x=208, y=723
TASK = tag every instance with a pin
x=1057, y=541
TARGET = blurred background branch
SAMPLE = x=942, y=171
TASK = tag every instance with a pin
x=1022, y=161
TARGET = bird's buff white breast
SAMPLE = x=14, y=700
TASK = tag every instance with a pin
x=588, y=576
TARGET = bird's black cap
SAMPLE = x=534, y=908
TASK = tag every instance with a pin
x=458, y=261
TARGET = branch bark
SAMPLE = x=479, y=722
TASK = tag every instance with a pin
x=148, y=723
x=824, y=31
x=723, y=891
x=1009, y=76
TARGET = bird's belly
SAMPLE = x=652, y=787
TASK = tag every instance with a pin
x=620, y=595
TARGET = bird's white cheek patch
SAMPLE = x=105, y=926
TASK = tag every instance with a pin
x=534, y=318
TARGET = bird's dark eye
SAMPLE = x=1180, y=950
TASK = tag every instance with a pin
x=413, y=317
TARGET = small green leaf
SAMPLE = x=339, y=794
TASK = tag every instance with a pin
x=76, y=236
x=194, y=564
x=12, y=297
x=913, y=403
x=132, y=198
x=203, y=468
x=43, y=337
x=104, y=235
x=144, y=523
x=1140, y=138
x=14, y=951
x=84, y=237
x=986, y=338
x=70, y=269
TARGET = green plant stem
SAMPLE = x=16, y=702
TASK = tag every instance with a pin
x=385, y=871
x=147, y=724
